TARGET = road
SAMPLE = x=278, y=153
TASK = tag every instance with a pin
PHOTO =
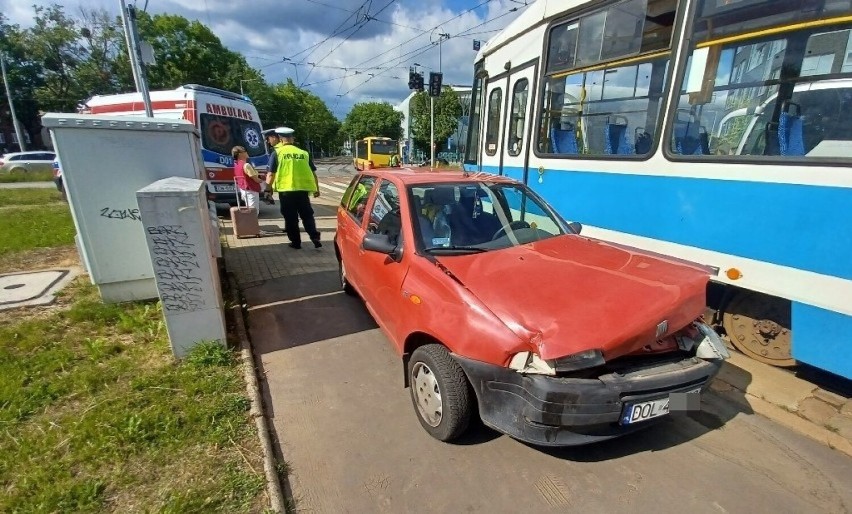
x=348, y=431
x=27, y=185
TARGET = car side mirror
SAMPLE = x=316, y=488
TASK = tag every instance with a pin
x=380, y=243
x=575, y=227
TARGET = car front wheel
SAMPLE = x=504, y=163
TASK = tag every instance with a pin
x=440, y=392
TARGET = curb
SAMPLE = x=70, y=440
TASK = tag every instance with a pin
x=777, y=400
x=273, y=484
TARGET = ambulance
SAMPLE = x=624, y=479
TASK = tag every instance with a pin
x=223, y=119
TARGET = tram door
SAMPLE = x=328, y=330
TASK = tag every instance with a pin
x=517, y=124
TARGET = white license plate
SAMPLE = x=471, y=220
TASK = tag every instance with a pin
x=636, y=412
x=223, y=188
x=642, y=411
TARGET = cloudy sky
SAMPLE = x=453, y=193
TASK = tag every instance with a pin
x=345, y=51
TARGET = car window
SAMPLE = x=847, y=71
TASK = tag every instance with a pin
x=385, y=215
x=523, y=208
x=355, y=198
x=16, y=158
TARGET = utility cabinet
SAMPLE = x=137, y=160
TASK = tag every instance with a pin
x=105, y=160
x=174, y=219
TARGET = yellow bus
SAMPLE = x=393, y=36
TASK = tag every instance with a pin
x=375, y=152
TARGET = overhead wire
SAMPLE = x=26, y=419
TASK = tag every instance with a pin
x=425, y=48
x=333, y=34
x=380, y=68
x=367, y=19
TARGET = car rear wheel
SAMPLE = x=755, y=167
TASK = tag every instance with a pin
x=344, y=282
x=440, y=392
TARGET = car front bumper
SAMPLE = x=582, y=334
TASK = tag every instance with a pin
x=556, y=411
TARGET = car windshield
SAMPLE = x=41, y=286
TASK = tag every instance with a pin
x=480, y=216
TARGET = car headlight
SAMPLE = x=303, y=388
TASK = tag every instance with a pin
x=711, y=346
x=529, y=362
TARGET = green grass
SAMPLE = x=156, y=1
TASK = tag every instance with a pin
x=25, y=228
x=96, y=415
x=30, y=176
x=9, y=197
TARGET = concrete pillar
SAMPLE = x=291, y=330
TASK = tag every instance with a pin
x=176, y=222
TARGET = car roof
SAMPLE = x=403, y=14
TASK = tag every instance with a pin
x=415, y=176
x=29, y=152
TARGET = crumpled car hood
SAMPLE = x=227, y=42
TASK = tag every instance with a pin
x=568, y=294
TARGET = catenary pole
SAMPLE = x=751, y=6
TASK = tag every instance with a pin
x=18, y=132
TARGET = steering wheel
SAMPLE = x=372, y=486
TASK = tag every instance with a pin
x=515, y=225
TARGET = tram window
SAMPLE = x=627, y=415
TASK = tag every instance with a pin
x=783, y=97
x=623, y=32
x=472, y=150
x=623, y=29
x=590, y=39
x=562, y=47
x=492, y=129
x=518, y=115
x=610, y=112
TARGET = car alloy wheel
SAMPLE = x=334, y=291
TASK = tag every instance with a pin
x=440, y=392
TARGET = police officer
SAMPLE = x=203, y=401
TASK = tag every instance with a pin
x=292, y=174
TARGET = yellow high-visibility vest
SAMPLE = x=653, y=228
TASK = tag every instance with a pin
x=293, y=173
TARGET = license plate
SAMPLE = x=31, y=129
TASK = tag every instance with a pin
x=643, y=411
x=223, y=188
x=636, y=412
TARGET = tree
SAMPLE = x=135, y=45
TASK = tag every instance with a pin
x=187, y=52
x=52, y=42
x=447, y=113
x=305, y=113
x=373, y=119
x=23, y=75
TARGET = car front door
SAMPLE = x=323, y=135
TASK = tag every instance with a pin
x=382, y=275
x=350, y=226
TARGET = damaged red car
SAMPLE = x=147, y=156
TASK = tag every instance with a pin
x=499, y=307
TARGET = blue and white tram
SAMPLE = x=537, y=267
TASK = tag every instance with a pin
x=718, y=131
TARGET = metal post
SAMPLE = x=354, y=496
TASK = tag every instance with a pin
x=127, y=40
x=18, y=133
x=432, y=134
x=136, y=60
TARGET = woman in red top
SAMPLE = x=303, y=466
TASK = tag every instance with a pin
x=248, y=182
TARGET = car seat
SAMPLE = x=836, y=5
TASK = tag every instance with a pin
x=564, y=141
x=444, y=198
x=425, y=225
x=790, y=131
x=690, y=138
x=615, y=137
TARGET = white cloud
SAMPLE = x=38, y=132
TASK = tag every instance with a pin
x=266, y=31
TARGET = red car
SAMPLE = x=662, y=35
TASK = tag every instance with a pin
x=498, y=305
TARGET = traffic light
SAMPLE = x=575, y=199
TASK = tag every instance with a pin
x=412, y=81
x=435, y=83
x=418, y=81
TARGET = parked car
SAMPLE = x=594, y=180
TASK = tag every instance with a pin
x=26, y=162
x=57, y=177
x=498, y=305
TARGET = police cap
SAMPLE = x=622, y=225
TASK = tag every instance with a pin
x=279, y=131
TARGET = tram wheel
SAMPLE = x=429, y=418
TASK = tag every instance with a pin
x=759, y=326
